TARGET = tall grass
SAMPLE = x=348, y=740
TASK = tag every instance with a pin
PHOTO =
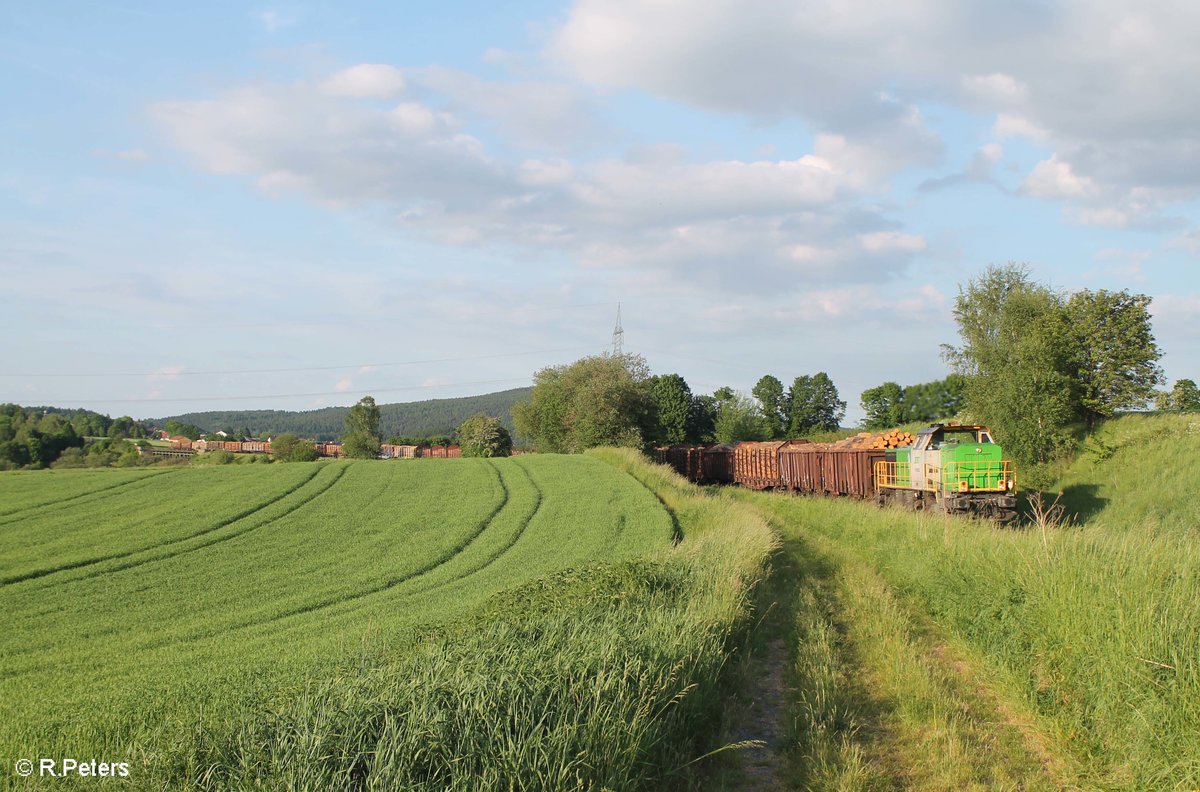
x=1098, y=628
x=606, y=676
x=579, y=641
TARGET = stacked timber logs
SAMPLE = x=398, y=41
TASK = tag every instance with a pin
x=892, y=438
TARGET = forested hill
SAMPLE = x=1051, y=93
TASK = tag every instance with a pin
x=410, y=419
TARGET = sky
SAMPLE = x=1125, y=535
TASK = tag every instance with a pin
x=226, y=206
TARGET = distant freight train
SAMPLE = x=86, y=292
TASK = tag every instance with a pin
x=333, y=450
x=953, y=468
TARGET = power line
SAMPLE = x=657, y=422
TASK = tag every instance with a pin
x=742, y=365
x=299, y=368
x=370, y=391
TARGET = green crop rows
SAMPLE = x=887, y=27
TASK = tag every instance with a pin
x=170, y=618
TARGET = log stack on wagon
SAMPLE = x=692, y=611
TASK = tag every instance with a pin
x=756, y=465
x=878, y=441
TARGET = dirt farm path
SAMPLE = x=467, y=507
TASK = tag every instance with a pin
x=848, y=687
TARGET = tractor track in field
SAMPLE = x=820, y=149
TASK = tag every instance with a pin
x=330, y=602
x=17, y=515
x=307, y=499
x=676, y=527
x=40, y=573
x=539, y=496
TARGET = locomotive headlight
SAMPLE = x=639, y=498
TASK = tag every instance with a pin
x=1010, y=483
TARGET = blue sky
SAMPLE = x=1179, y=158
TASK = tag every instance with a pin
x=287, y=206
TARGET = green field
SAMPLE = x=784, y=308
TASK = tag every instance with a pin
x=278, y=624
x=550, y=622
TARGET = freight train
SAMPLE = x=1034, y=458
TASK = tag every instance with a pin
x=954, y=468
x=333, y=450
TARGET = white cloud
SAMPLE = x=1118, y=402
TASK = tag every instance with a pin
x=892, y=240
x=530, y=113
x=991, y=152
x=1107, y=86
x=366, y=81
x=1103, y=217
x=1189, y=241
x=126, y=155
x=1009, y=126
x=544, y=173
x=1119, y=264
x=273, y=20
x=995, y=90
x=657, y=208
x=344, y=384
x=335, y=149
x=166, y=373
x=1177, y=312
x=412, y=118
x=985, y=160
x=1054, y=178
x=856, y=305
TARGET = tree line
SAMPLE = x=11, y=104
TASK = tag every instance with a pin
x=1040, y=367
x=425, y=419
x=37, y=437
x=615, y=400
x=889, y=404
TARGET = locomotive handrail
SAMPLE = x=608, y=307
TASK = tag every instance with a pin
x=979, y=476
x=893, y=474
x=973, y=476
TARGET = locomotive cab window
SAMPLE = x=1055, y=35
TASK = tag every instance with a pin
x=958, y=437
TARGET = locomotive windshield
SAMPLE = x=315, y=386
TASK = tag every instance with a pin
x=962, y=436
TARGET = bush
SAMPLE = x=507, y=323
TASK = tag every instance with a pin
x=483, y=436
x=287, y=447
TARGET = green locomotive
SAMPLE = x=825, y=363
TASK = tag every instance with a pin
x=953, y=468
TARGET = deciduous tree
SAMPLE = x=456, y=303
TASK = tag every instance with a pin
x=1117, y=358
x=702, y=420
x=890, y=404
x=1017, y=356
x=599, y=400
x=484, y=436
x=1037, y=362
x=740, y=418
x=673, y=405
x=770, y=394
x=1184, y=397
x=814, y=404
x=290, y=448
x=362, y=430
x=883, y=405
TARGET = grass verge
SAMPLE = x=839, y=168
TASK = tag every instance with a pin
x=1085, y=650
